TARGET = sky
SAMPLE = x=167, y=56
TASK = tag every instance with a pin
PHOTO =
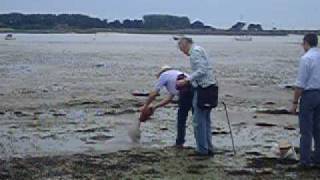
x=283, y=14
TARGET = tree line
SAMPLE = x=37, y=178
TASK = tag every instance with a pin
x=79, y=21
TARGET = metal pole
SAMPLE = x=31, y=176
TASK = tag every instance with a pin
x=227, y=115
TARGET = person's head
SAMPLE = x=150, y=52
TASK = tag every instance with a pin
x=163, y=69
x=309, y=41
x=185, y=45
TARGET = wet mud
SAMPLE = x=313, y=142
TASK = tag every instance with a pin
x=67, y=107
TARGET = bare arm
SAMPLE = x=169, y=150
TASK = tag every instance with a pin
x=151, y=98
x=296, y=98
x=164, y=102
x=297, y=95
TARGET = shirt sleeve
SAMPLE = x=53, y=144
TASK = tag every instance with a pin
x=160, y=83
x=198, y=63
x=303, y=74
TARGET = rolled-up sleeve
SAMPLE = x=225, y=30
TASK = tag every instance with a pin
x=160, y=83
x=303, y=74
x=198, y=64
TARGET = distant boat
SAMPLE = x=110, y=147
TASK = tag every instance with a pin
x=243, y=38
x=9, y=37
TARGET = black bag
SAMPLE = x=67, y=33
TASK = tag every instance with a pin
x=208, y=97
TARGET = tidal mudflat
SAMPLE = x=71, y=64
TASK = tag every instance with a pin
x=66, y=107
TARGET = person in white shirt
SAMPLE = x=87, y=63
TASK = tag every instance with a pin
x=308, y=92
x=167, y=77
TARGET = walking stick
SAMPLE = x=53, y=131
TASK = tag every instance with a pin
x=227, y=115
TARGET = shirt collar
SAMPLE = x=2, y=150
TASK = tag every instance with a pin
x=313, y=49
x=191, y=49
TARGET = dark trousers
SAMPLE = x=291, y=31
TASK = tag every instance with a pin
x=309, y=122
x=185, y=105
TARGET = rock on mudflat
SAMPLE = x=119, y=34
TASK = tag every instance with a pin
x=290, y=128
x=269, y=103
x=220, y=131
x=92, y=129
x=21, y=114
x=274, y=111
x=287, y=86
x=101, y=137
x=265, y=124
x=163, y=128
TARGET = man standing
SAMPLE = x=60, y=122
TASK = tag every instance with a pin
x=308, y=91
x=201, y=77
x=167, y=77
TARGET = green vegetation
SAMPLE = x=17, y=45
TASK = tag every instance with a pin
x=77, y=21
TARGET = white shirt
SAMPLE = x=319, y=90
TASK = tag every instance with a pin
x=168, y=79
x=309, y=70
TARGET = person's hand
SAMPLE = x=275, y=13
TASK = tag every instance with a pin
x=182, y=83
x=152, y=107
x=142, y=108
x=294, y=108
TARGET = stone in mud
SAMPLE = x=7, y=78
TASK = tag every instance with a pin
x=274, y=111
x=91, y=130
x=59, y=114
x=14, y=126
x=90, y=142
x=21, y=114
x=290, y=128
x=265, y=124
x=99, y=65
x=163, y=128
x=269, y=103
x=253, y=84
x=287, y=86
x=37, y=113
x=101, y=137
x=220, y=131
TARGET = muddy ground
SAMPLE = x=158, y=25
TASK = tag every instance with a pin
x=66, y=108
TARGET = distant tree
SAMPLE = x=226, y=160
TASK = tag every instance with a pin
x=197, y=25
x=165, y=22
x=115, y=24
x=49, y=21
x=238, y=26
x=255, y=27
x=132, y=24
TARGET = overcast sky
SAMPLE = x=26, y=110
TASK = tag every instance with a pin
x=295, y=14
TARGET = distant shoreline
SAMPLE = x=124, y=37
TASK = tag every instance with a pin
x=171, y=32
